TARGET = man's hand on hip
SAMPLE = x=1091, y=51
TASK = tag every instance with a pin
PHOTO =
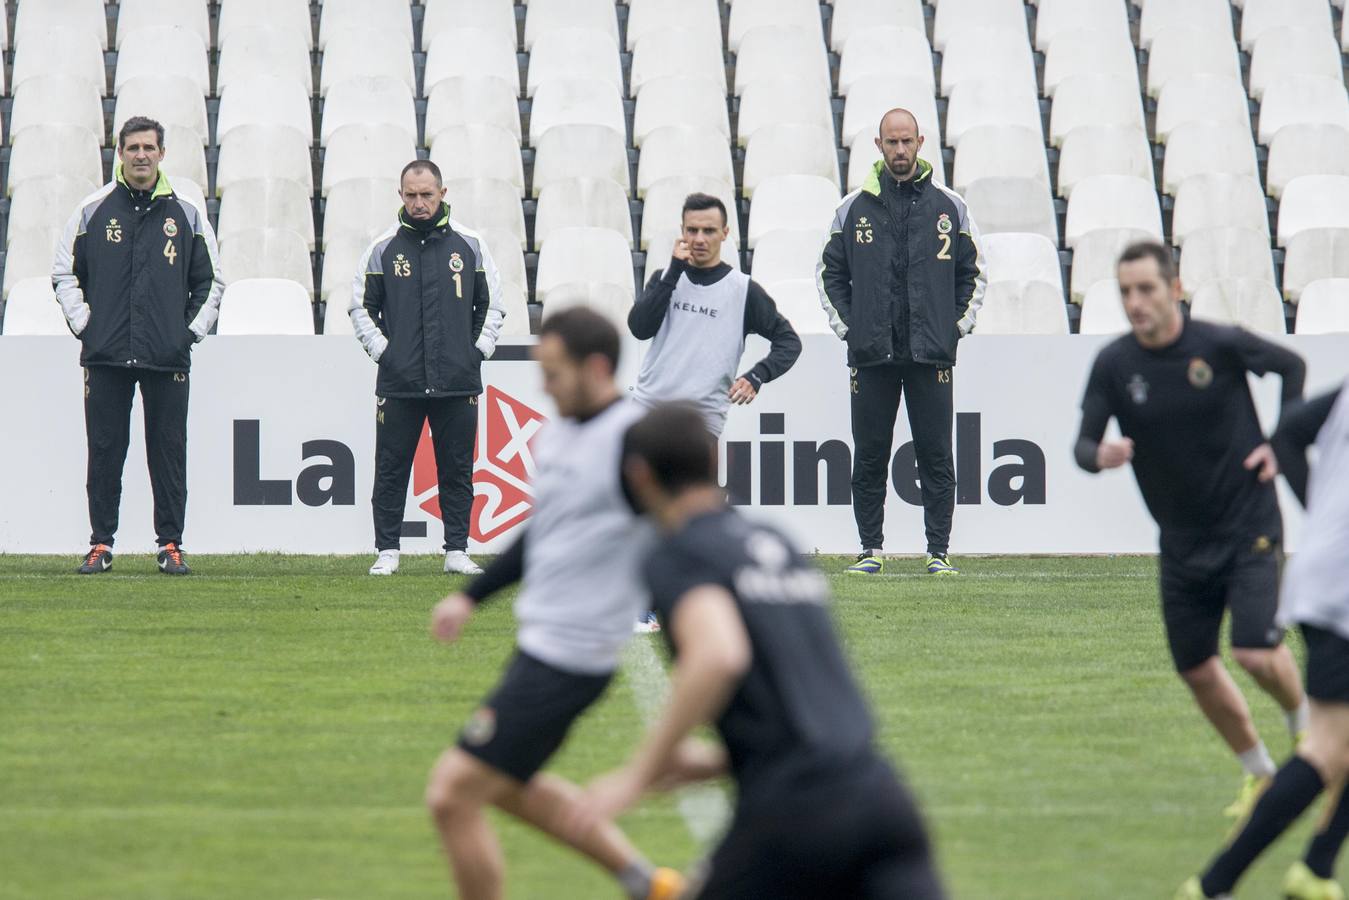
x=743, y=391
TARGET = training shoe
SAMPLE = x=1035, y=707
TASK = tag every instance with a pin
x=648, y=624
x=868, y=563
x=458, y=563
x=1301, y=883
x=386, y=563
x=1251, y=789
x=1191, y=890
x=97, y=561
x=941, y=565
x=666, y=884
x=171, y=561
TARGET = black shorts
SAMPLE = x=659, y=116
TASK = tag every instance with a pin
x=1198, y=584
x=528, y=716
x=856, y=835
x=1327, y=665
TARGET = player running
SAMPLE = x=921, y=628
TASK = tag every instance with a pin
x=579, y=562
x=1316, y=597
x=820, y=814
x=1179, y=392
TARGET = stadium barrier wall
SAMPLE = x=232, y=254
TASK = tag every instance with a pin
x=281, y=445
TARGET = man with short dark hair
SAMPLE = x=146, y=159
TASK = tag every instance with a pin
x=698, y=311
x=1179, y=391
x=138, y=278
x=427, y=308
x=901, y=278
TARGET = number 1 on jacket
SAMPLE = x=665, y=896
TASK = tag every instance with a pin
x=458, y=286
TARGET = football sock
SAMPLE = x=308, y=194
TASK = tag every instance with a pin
x=1325, y=846
x=1295, y=786
x=635, y=878
x=1297, y=719
x=1257, y=761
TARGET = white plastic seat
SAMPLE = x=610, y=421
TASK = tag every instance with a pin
x=475, y=53
x=1012, y=204
x=1211, y=200
x=167, y=99
x=864, y=154
x=789, y=150
x=1014, y=308
x=1094, y=100
x=1112, y=201
x=451, y=17
x=336, y=314
x=987, y=53
x=382, y=101
x=260, y=305
x=365, y=151
x=1302, y=100
x=583, y=254
x=1096, y=257
x=267, y=50
x=886, y=52
x=582, y=202
x=1000, y=151
x=580, y=151
x=543, y=16
x=787, y=254
x=572, y=53
x=1298, y=150
x=1211, y=254
x=479, y=151
x=664, y=203
x=263, y=151
x=57, y=100
x=1324, y=308
x=792, y=201
x=516, y=306
x=798, y=300
x=576, y=102
x=1206, y=15
x=679, y=52
x=361, y=206
x=1020, y=258
x=366, y=53
x=31, y=308
x=1282, y=52
x=45, y=203
x=959, y=17
x=469, y=100
x=747, y=15
x=88, y=16
x=487, y=204
x=47, y=150
x=266, y=203
x=338, y=16
x=858, y=17
x=1198, y=148
x=785, y=101
x=1250, y=303
x=1313, y=201
x=976, y=104
x=1200, y=98
x=1182, y=51
x=341, y=255
x=609, y=300
x=1102, y=309
x=700, y=16
x=289, y=16
x=265, y=100
x=1313, y=254
x=682, y=150
x=1089, y=52
x=29, y=255
x=1260, y=17
x=161, y=53
x=1057, y=17
x=267, y=253
x=507, y=254
x=189, y=191
x=770, y=52
x=78, y=50
x=870, y=99
x=694, y=102
x=1103, y=150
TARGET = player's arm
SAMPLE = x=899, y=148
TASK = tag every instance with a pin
x=1297, y=431
x=205, y=280
x=1262, y=356
x=833, y=277
x=488, y=309
x=367, y=304
x=971, y=274
x=450, y=614
x=762, y=318
x=70, y=274
x=647, y=314
x=1091, y=452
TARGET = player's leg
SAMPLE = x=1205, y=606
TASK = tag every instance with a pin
x=107, y=422
x=458, y=792
x=901, y=865
x=930, y=401
x=454, y=432
x=1257, y=639
x=164, y=396
x=875, y=392
x=398, y=428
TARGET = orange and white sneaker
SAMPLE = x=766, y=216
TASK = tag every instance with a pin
x=97, y=561
x=172, y=561
x=666, y=884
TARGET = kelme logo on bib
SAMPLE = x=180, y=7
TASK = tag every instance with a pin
x=456, y=262
x=1200, y=373
x=943, y=224
x=170, y=228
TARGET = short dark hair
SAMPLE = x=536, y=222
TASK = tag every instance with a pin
x=421, y=165
x=584, y=333
x=674, y=441
x=697, y=202
x=140, y=123
x=1166, y=266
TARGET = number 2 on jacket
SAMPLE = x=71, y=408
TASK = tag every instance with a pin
x=170, y=251
x=945, y=251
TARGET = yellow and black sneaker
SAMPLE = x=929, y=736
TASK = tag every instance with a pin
x=172, y=561
x=941, y=565
x=97, y=561
x=868, y=563
x=1301, y=883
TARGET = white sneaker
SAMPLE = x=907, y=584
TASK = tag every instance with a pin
x=458, y=563
x=648, y=624
x=386, y=563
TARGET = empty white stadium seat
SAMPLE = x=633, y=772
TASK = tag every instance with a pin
x=1000, y=151
x=572, y=53
x=1324, y=308
x=1212, y=200
x=45, y=203
x=261, y=305
x=1207, y=15
x=662, y=209
x=29, y=255
x=1250, y=303
x=264, y=100
x=1096, y=257
x=263, y=151
x=1302, y=100
x=958, y=17
x=609, y=300
x=1313, y=201
x=361, y=206
x=479, y=151
x=516, y=307
x=1283, y=52
x=1112, y=201
x=549, y=15
x=858, y=17
x=167, y=99
x=1094, y=100
x=1182, y=51
x=470, y=100
x=791, y=201
x=264, y=50
x=1198, y=148
x=864, y=154
x=88, y=16
x=507, y=254
x=798, y=300
x=580, y=151
x=786, y=254
x=266, y=203
x=789, y=150
x=336, y=315
x=986, y=53
x=680, y=52
x=1200, y=98
x=382, y=101
x=750, y=14
x=886, y=52
x=1012, y=204
x=1089, y=52
x=1012, y=307
x=1298, y=150
x=474, y=53
x=78, y=50
x=777, y=51
x=189, y=191
x=1056, y=17
x=337, y=16
x=797, y=101
x=582, y=202
x=452, y=17
x=871, y=98
x=46, y=150
x=267, y=253
x=1212, y=254
x=289, y=16
x=341, y=255
x=695, y=102
x=1313, y=254
x=366, y=53
x=700, y=16
x=1102, y=309
x=160, y=53
x=57, y=99
x=1260, y=17
x=976, y=104
x=1103, y=150
x=683, y=150
x=576, y=102
x=1009, y=256
x=31, y=308
x=487, y=204
x=584, y=255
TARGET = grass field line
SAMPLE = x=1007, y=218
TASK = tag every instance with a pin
x=703, y=807
x=1019, y=576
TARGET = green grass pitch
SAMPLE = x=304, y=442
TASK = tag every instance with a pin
x=263, y=730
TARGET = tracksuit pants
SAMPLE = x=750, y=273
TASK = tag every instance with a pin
x=876, y=391
x=398, y=429
x=108, y=392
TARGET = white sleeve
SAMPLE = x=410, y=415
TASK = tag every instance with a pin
x=496, y=310
x=66, y=284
